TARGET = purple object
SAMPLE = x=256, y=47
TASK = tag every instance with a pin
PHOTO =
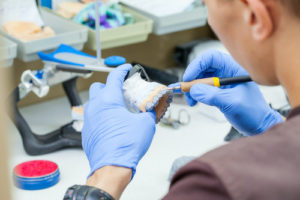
x=110, y=17
x=106, y=25
x=103, y=21
x=103, y=18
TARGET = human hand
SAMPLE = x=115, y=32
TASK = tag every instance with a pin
x=113, y=136
x=242, y=104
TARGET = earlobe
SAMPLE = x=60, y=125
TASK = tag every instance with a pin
x=259, y=17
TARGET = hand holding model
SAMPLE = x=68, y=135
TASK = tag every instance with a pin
x=242, y=104
x=113, y=136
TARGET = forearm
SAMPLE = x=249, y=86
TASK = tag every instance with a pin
x=111, y=179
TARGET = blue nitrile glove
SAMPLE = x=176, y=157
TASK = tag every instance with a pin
x=111, y=134
x=242, y=104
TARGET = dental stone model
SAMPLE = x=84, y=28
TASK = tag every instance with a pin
x=70, y=9
x=143, y=96
x=27, y=31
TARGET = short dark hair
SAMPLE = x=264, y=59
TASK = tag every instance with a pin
x=293, y=6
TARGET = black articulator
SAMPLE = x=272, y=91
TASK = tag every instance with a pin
x=40, y=82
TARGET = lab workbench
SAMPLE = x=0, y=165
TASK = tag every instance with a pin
x=202, y=134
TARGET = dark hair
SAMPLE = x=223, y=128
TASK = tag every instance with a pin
x=293, y=5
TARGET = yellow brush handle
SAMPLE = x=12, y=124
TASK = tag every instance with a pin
x=186, y=86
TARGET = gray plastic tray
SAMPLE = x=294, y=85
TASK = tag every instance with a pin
x=66, y=33
x=177, y=22
x=123, y=35
x=8, y=52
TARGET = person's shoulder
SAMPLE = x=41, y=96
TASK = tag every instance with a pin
x=261, y=163
x=194, y=180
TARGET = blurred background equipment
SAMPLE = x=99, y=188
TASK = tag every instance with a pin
x=186, y=52
x=8, y=52
x=63, y=66
x=27, y=31
x=39, y=82
x=122, y=24
x=35, y=29
x=111, y=16
x=170, y=16
x=183, y=118
x=158, y=75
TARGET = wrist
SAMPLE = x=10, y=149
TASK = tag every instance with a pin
x=111, y=179
x=84, y=192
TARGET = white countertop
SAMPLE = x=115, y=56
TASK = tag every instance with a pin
x=201, y=135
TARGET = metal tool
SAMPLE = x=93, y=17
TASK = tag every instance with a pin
x=213, y=81
x=87, y=68
x=182, y=119
x=138, y=69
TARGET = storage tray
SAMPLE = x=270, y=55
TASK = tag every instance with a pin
x=8, y=52
x=196, y=17
x=66, y=33
x=123, y=35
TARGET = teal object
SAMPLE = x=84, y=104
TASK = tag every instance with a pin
x=83, y=15
x=128, y=18
x=114, y=61
x=111, y=16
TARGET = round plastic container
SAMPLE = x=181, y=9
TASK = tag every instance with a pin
x=36, y=175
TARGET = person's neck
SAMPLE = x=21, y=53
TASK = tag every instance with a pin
x=287, y=60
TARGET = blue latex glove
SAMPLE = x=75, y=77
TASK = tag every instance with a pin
x=242, y=104
x=111, y=134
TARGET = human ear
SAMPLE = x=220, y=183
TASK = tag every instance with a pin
x=258, y=16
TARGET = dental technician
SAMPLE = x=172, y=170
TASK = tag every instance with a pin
x=263, y=36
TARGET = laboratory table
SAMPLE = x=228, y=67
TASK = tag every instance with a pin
x=206, y=131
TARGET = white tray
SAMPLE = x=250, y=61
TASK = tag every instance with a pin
x=66, y=32
x=177, y=22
